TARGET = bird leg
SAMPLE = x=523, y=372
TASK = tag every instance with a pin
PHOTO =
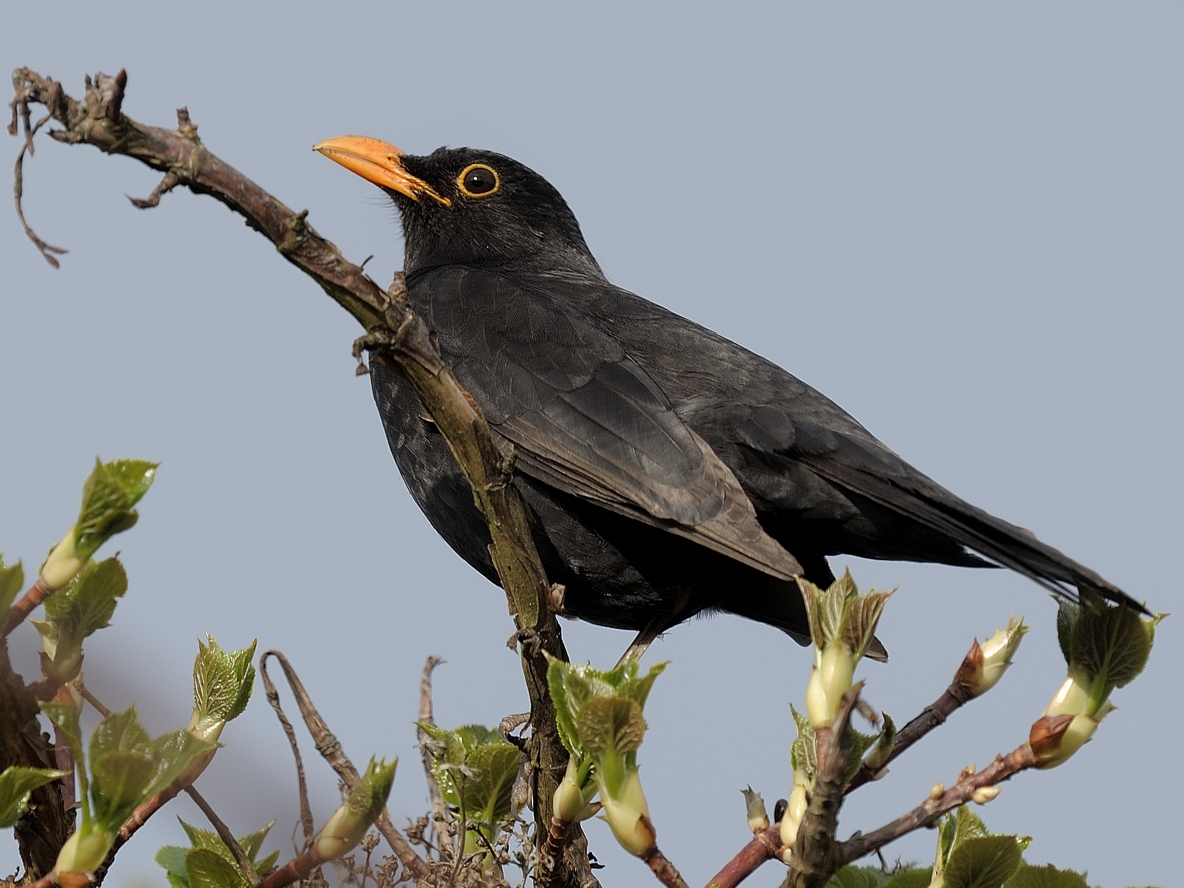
x=644, y=639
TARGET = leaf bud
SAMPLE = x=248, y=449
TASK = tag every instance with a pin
x=62, y=564
x=984, y=794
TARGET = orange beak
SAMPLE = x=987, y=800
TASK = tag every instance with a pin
x=378, y=162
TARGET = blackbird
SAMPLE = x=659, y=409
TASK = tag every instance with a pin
x=670, y=471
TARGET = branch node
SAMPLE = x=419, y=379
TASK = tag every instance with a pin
x=115, y=103
x=170, y=181
x=186, y=127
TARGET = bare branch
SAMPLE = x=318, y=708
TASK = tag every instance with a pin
x=33, y=596
x=932, y=716
x=227, y=837
x=439, y=809
x=330, y=749
x=273, y=699
x=927, y=813
x=664, y=870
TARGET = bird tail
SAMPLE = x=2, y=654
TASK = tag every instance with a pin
x=924, y=501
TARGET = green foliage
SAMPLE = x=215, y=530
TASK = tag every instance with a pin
x=968, y=856
x=208, y=863
x=128, y=767
x=1107, y=644
x=222, y=681
x=84, y=605
x=840, y=615
x=1047, y=876
x=16, y=785
x=475, y=769
x=600, y=713
x=12, y=580
x=108, y=495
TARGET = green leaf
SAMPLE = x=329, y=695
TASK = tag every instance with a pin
x=16, y=785
x=487, y=791
x=912, y=878
x=860, y=743
x=172, y=858
x=209, y=869
x=369, y=795
x=1047, y=876
x=252, y=843
x=82, y=606
x=803, y=752
x=611, y=726
x=222, y=680
x=859, y=877
x=573, y=687
x=173, y=753
x=65, y=718
x=481, y=751
x=127, y=766
x=982, y=862
x=860, y=620
x=12, y=580
x=118, y=780
x=108, y=495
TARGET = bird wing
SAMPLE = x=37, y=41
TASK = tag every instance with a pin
x=803, y=460
x=584, y=417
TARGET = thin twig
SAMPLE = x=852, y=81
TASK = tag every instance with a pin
x=330, y=749
x=273, y=699
x=91, y=698
x=439, y=809
x=24, y=605
x=21, y=102
x=932, y=716
x=664, y=870
x=227, y=837
x=927, y=813
x=300, y=867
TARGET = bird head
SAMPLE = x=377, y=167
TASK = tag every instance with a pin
x=462, y=206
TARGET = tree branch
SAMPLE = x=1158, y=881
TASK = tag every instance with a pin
x=925, y=814
x=813, y=858
x=399, y=338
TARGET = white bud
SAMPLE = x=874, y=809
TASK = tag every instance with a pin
x=984, y=794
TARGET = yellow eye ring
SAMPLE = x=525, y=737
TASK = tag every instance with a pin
x=478, y=180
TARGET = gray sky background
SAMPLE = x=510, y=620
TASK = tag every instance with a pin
x=962, y=222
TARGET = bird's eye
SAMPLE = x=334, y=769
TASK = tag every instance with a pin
x=477, y=180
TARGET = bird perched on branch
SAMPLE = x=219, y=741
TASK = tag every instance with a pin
x=671, y=472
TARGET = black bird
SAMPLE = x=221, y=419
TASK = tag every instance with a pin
x=671, y=472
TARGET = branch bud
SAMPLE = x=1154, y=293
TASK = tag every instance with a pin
x=799, y=801
x=62, y=563
x=628, y=815
x=984, y=794
x=985, y=664
x=758, y=816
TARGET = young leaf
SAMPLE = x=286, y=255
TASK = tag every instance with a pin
x=983, y=862
x=858, y=877
x=84, y=605
x=1047, y=876
x=208, y=869
x=108, y=495
x=16, y=785
x=12, y=580
x=222, y=681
